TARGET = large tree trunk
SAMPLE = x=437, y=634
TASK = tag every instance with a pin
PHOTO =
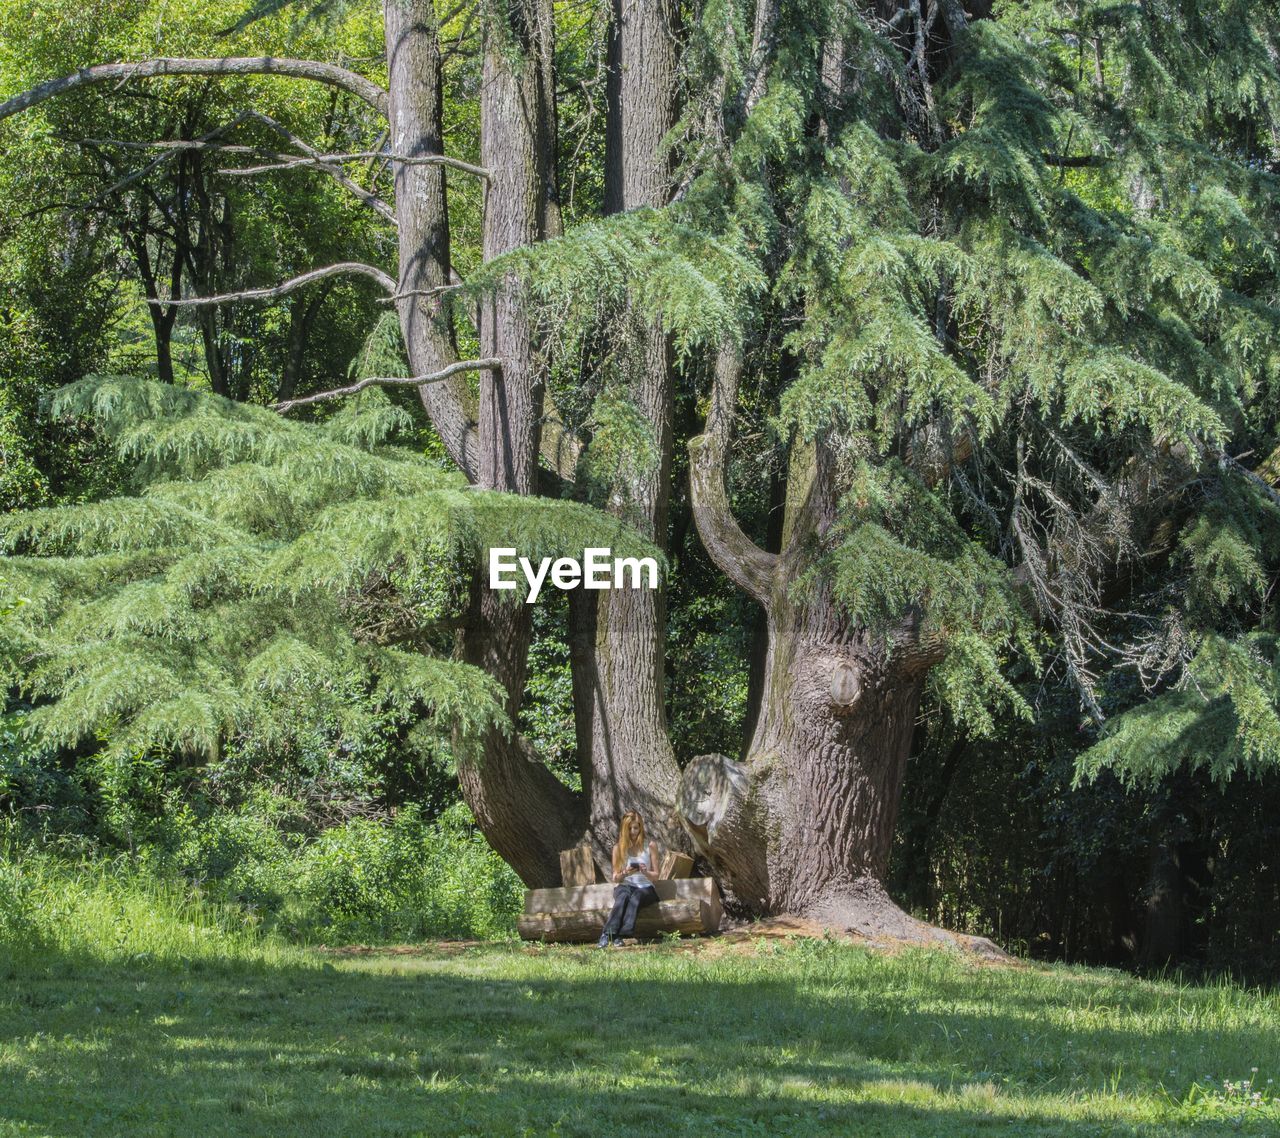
x=625, y=751
x=523, y=810
x=805, y=823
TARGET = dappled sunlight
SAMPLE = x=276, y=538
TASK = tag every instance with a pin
x=809, y=1037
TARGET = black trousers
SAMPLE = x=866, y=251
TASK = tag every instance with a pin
x=627, y=900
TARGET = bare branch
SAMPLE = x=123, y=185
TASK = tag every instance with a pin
x=328, y=73
x=439, y=290
x=270, y=293
x=128, y=180
x=394, y=381
x=1227, y=462
x=284, y=162
x=277, y=160
x=336, y=173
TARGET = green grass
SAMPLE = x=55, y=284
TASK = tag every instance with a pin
x=167, y=1029
x=497, y=1040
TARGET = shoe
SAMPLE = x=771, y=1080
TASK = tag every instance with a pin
x=604, y=941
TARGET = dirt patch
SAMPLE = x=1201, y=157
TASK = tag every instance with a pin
x=741, y=938
x=746, y=936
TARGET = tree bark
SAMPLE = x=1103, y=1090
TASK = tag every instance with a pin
x=415, y=110
x=625, y=750
x=524, y=811
x=804, y=824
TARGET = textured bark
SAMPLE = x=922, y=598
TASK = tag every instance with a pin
x=517, y=145
x=415, y=113
x=624, y=747
x=804, y=824
x=523, y=810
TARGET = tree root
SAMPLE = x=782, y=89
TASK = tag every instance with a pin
x=866, y=911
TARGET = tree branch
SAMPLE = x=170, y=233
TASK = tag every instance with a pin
x=285, y=162
x=137, y=175
x=1075, y=161
x=329, y=73
x=336, y=173
x=394, y=381
x=737, y=556
x=273, y=291
x=1227, y=462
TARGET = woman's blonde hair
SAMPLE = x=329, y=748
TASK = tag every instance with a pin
x=622, y=848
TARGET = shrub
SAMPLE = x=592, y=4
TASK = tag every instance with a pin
x=404, y=879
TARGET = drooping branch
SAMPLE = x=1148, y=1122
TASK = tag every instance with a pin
x=738, y=557
x=394, y=381
x=314, y=70
x=272, y=292
x=1256, y=480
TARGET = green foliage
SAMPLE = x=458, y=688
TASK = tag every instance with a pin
x=405, y=881
x=365, y=879
x=645, y=265
x=267, y=577
x=897, y=548
x=99, y=912
x=1223, y=719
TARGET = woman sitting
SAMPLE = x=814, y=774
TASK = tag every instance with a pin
x=635, y=865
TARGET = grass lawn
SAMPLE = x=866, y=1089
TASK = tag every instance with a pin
x=774, y=1038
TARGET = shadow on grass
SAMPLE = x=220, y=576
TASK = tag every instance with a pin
x=496, y=1041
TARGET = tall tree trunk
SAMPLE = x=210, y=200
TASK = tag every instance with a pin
x=162, y=316
x=415, y=114
x=624, y=748
x=804, y=824
x=302, y=315
x=524, y=811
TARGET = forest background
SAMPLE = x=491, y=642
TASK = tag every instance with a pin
x=1102, y=788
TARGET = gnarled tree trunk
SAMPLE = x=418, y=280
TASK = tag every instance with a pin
x=804, y=824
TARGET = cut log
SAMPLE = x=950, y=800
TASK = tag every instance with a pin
x=577, y=867
x=685, y=915
x=675, y=865
x=579, y=909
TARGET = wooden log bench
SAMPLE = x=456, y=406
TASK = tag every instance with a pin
x=577, y=913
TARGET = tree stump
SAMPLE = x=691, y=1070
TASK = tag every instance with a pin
x=577, y=866
x=675, y=865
